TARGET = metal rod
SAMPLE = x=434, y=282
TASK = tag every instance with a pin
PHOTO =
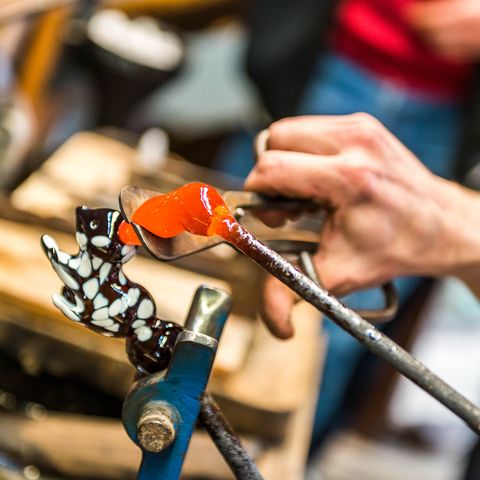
x=363, y=331
x=308, y=267
x=226, y=440
x=385, y=314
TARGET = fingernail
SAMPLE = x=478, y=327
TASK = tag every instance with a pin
x=261, y=142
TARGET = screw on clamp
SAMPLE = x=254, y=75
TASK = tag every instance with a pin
x=157, y=427
x=161, y=411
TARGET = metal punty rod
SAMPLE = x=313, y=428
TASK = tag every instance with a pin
x=226, y=440
x=363, y=331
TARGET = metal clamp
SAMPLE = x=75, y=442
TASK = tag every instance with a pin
x=161, y=411
x=304, y=250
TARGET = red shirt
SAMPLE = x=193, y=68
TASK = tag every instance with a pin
x=376, y=34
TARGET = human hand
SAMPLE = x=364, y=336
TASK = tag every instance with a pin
x=451, y=27
x=391, y=216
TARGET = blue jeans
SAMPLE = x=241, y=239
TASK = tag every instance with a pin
x=430, y=129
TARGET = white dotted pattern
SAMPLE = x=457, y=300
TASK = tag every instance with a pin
x=133, y=296
x=82, y=240
x=104, y=271
x=65, y=307
x=85, y=268
x=90, y=287
x=84, y=265
x=100, y=301
x=100, y=241
x=100, y=314
x=66, y=278
x=96, y=263
x=143, y=333
x=145, y=309
x=115, y=308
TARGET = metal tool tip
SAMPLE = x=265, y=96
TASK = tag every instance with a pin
x=209, y=311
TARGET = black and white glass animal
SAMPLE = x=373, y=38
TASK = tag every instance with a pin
x=97, y=293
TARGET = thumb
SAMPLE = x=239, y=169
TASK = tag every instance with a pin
x=278, y=301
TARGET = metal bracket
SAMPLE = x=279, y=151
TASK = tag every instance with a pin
x=161, y=411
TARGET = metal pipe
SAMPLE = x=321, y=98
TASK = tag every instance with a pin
x=363, y=331
x=209, y=311
x=226, y=440
x=308, y=267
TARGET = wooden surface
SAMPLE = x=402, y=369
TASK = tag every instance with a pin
x=266, y=386
x=27, y=283
x=87, y=168
x=91, y=169
x=286, y=460
x=96, y=447
x=164, y=6
x=276, y=376
x=250, y=370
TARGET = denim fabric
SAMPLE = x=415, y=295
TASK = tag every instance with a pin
x=430, y=128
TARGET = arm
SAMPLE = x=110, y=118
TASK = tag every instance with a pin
x=451, y=27
x=391, y=216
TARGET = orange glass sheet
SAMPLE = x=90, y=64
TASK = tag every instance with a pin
x=196, y=208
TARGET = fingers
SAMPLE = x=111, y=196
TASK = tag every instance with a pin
x=297, y=175
x=261, y=142
x=271, y=218
x=277, y=306
x=323, y=135
x=303, y=154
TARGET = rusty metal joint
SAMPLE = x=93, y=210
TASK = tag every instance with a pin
x=157, y=426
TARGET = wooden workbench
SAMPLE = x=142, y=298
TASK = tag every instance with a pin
x=266, y=387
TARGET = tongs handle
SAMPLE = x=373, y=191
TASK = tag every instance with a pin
x=304, y=250
x=260, y=202
x=257, y=201
x=390, y=294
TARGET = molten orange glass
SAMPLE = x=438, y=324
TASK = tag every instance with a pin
x=195, y=208
x=127, y=234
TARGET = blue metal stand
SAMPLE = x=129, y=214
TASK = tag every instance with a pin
x=161, y=411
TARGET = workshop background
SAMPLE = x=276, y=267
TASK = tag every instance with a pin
x=96, y=95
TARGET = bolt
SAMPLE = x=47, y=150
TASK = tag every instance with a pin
x=156, y=428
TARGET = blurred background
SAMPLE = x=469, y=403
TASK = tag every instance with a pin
x=95, y=95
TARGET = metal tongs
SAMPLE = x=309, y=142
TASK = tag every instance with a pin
x=302, y=242
x=309, y=290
